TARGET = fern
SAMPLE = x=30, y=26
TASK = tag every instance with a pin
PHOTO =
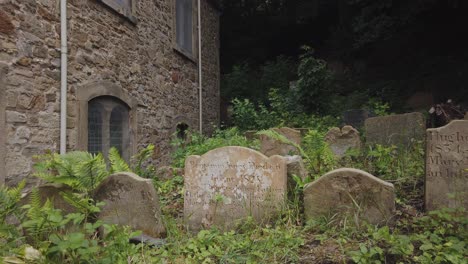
x=117, y=163
x=90, y=173
x=140, y=158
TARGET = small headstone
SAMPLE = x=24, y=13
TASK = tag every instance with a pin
x=250, y=135
x=52, y=192
x=130, y=200
x=295, y=166
x=270, y=147
x=350, y=192
x=395, y=129
x=230, y=183
x=342, y=140
x=447, y=166
x=356, y=117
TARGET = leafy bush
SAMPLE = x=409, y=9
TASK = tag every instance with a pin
x=199, y=144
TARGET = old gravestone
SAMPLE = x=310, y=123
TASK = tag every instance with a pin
x=356, y=117
x=447, y=166
x=342, y=140
x=270, y=146
x=230, y=183
x=350, y=193
x=395, y=129
x=130, y=200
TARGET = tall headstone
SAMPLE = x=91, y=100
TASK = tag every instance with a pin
x=230, y=183
x=447, y=166
x=340, y=140
x=395, y=129
x=350, y=193
x=131, y=200
x=270, y=147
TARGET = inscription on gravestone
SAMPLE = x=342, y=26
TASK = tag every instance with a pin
x=230, y=183
x=446, y=166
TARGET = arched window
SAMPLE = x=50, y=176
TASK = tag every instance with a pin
x=108, y=126
x=182, y=130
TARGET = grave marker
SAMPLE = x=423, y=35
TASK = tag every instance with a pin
x=447, y=166
x=270, y=147
x=230, y=183
x=395, y=129
x=340, y=140
x=350, y=193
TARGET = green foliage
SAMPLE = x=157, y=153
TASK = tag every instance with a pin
x=247, y=82
x=254, y=245
x=199, y=144
x=314, y=85
x=81, y=171
x=9, y=234
x=141, y=159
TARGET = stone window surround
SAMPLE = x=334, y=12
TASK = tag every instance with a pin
x=130, y=14
x=92, y=90
x=3, y=73
x=194, y=56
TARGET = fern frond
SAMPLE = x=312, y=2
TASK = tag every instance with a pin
x=117, y=163
x=34, y=210
x=91, y=173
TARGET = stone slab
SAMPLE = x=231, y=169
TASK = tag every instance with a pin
x=356, y=117
x=340, y=140
x=447, y=166
x=132, y=201
x=228, y=184
x=270, y=147
x=395, y=129
x=340, y=190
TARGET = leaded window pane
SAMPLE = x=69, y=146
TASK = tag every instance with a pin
x=94, y=127
x=116, y=124
x=184, y=24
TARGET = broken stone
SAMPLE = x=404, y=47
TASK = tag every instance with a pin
x=131, y=201
x=342, y=140
x=350, y=193
x=270, y=147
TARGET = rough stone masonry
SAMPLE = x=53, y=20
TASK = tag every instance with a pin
x=138, y=58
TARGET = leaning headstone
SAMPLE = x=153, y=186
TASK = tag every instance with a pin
x=270, y=146
x=356, y=117
x=53, y=193
x=350, y=193
x=295, y=166
x=342, y=140
x=130, y=200
x=447, y=166
x=395, y=129
x=228, y=184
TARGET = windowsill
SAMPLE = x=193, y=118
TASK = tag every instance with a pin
x=130, y=17
x=185, y=54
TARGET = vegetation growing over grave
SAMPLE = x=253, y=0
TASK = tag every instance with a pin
x=413, y=237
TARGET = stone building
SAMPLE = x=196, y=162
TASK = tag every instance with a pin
x=132, y=76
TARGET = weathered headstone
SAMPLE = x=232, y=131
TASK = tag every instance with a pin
x=356, y=117
x=350, y=192
x=230, y=183
x=342, y=140
x=130, y=200
x=270, y=147
x=53, y=193
x=447, y=166
x=395, y=129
